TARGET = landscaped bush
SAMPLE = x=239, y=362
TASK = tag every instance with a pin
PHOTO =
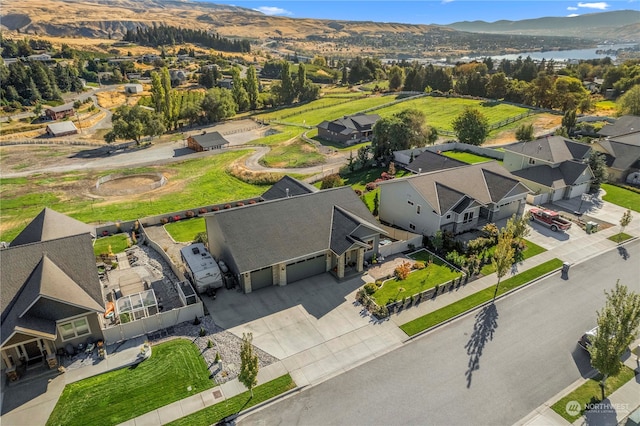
x=215, y=209
x=370, y=288
x=370, y=186
x=457, y=259
x=419, y=265
x=189, y=213
x=164, y=220
x=402, y=271
x=479, y=244
x=239, y=204
x=252, y=202
x=358, y=192
x=203, y=211
x=227, y=206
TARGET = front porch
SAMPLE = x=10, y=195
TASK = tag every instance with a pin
x=348, y=264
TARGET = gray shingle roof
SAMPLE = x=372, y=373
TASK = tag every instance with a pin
x=295, y=187
x=624, y=125
x=284, y=229
x=430, y=162
x=62, y=127
x=61, y=108
x=350, y=124
x=210, y=140
x=485, y=182
x=553, y=149
x=60, y=269
x=49, y=225
x=620, y=155
x=554, y=177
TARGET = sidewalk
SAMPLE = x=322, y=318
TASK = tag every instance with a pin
x=621, y=404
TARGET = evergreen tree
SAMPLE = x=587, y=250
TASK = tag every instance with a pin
x=301, y=79
x=157, y=92
x=167, y=110
x=598, y=168
x=252, y=87
x=240, y=95
x=288, y=92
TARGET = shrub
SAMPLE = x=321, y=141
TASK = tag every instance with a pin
x=164, y=220
x=358, y=192
x=402, y=271
x=176, y=218
x=360, y=295
x=479, y=244
x=331, y=181
x=370, y=186
x=218, y=357
x=419, y=265
x=379, y=283
x=239, y=204
x=381, y=312
x=215, y=209
x=252, y=202
x=189, y=213
x=203, y=332
x=370, y=288
x=227, y=206
x=210, y=344
x=196, y=321
x=202, y=211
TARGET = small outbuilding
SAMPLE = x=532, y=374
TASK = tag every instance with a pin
x=207, y=142
x=58, y=112
x=63, y=128
x=133, y=88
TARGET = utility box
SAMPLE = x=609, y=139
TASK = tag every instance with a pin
x=565, y=268
x=591, y=227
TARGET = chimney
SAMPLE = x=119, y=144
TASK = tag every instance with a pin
x=419, y=170
x=287, y=191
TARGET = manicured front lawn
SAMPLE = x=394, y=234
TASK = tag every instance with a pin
x=467, y=157
x=233, y=405
x=478, y=298
x=590, y=393
x=185, y=231
x=622, y=197
x=418, y=280
x=620, y=237
x=175, y=371
x=117, y=242
x=531, y=250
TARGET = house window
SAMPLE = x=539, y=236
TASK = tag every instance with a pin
x=468, y=217
x=448, y=216
x=369, y=244
x=532, y=161
x=76, y=328
x=412, y=226
x=418, y=209
x=410, y=202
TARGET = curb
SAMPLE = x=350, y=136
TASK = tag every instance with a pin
x=270, y=401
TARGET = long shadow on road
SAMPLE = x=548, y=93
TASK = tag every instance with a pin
x=483, y=330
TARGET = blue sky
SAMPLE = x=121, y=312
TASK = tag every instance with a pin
x=429, y=11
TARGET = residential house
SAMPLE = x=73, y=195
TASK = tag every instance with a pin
x=58, y=112
x=457, y=199
x=207, y=141
x=349, y=130
x=42, y=57
x=133, y=88
x=50, y=293
x=288, y=187
x=620, y=143
x=554, y=168
x=283, y=240
x=63, y=128
x=225, y=83
x=429, y=161
x=178, y=76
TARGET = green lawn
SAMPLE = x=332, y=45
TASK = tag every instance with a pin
x=440, y=112
x=213, y=414
x=590, y=393
x=622, y=197
x=295, y=154
x=117, y=242
x=202, y=181
x=174, y=371
x=418, y=280
x=468, y=157
x=531, y=250
x=620, y=237
x=185, y=231
x=478, y=298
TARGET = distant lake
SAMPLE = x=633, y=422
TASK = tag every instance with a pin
x=563, y=55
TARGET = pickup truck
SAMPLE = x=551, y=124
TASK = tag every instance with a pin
x=550, y=219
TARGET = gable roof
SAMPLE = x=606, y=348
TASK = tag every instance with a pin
x=429, y=161
x=624, y=125
x=351, y=123
x=288, y=187
x=62, y=127
x=50, y=225
x=554, y=177
x=210, y=140
x=620, y=155
x=484, y=183
x=59, y=270
x=553, y=149
x=272, y=232
x=60, y=108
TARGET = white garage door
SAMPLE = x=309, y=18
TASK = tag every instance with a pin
x=306, y=268
x=578, y=190
x=507, y=210
x=261, y=278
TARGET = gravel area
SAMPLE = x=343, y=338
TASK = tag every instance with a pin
x=225, y=343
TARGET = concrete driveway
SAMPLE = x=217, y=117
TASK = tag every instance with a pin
x=313, y=326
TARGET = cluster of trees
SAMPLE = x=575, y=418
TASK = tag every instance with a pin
x=404, y=130
x=167, y=35
x=33, y=82
x=23, y=47
x=362, y=69
x=292, y=88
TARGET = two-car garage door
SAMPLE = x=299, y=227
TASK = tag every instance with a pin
x=261, y=278
x=306, y=268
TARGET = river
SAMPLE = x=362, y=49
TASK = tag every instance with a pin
x=561, y=55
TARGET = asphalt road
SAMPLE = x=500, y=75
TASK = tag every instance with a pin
x=492, y=367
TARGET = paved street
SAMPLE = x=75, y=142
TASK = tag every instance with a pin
x=491, y=367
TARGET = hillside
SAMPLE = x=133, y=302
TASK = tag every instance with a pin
x=618, y=25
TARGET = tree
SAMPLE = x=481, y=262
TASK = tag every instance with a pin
x=287, y=91
x=471, y=126
x=201, y=237
x=618, y=324
x=376, y=203
x=497, y=86
x=598, y=168
x=301, y=78
x=133, y=123
x=218, y=104
x=165, y=79
x=331, y=181
x=629, y=103
x=240, y=95
x=252, y=87
x=524, y=132
x=625, y=220
x=569, y=120
x=248, y=363
x=396, y=77
x=404, y=130
x=503, y=256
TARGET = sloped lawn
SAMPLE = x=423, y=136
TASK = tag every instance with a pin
x=185, y=231
x=418, y=280
x=175, y=371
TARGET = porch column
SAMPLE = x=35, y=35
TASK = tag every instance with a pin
x=6, y=359
x=341, y=266
x=48, y=347
x=360, y=261
x=247, y=282
x=280, y=274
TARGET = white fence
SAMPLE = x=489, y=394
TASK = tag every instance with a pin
x=153, y=323
x=400, y=246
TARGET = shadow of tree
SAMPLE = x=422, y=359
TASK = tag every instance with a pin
x=483, y=330
x=623, y=252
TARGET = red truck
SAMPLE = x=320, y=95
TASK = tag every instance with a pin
x=550, y=219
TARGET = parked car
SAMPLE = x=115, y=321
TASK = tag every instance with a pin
x=550, y=219
x=585, y=340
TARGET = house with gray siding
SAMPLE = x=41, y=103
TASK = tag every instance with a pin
x=456, y=200
x=554, y=168
x=287, y=238
x=620, y=144
x=349, y=129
